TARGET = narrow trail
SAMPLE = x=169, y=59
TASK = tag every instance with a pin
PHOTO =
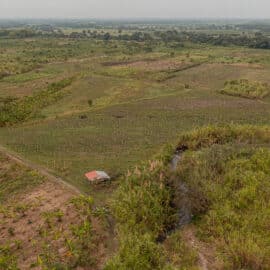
x=42, y=170
x=194, y=243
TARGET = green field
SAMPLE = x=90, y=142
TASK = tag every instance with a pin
x=139, y=102
x=82, y=96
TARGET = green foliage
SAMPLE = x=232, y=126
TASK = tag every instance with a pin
x=48, y=260
x=245, y=88
x=234, y=181
x=90, y=102
x=142, y=208
x=79, y=240
x=16, y=179
x=7, y=260
x=142, y=202
x=17, y=111
x=138, y=252
x=207, y=136
x=84, y=205
x=180, y=254
x=51, y=216
x=82, y=246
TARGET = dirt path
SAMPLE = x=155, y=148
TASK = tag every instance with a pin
x=204, y=253
x=42, y=170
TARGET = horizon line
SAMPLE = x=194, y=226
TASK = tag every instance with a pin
x=134, y=18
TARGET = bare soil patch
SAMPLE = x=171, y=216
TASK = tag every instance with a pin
x=26, y=227
x=151, y=65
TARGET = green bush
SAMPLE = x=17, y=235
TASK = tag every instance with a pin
x=180, y=253
x=207, y=136
x=245, y=88
x=142, y=202
x=225, y=175
x=143, y=212
x=138, y=252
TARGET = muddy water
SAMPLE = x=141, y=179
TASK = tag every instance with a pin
x=184, y=204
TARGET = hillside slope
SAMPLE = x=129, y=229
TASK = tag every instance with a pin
x=46, y=225
x=225, y=172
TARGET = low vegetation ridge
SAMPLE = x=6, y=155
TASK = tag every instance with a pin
x=18, y=110
x=245, y=88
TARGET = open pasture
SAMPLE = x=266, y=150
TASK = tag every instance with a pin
x=125, y=102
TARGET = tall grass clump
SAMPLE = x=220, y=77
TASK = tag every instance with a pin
x=246, y=89
x=210, y=135
x=143, y=211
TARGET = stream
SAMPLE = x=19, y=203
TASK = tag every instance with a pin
x=184, y=210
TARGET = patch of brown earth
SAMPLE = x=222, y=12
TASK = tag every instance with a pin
x=158, y=65
x=206, y=253
x=246, y=65
x=151, y=65
x=28, y=226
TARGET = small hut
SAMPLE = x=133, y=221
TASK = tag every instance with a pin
x=97, y=176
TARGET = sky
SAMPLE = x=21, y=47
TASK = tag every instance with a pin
x=135, y=9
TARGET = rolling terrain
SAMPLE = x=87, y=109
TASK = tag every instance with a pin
x=124, y=103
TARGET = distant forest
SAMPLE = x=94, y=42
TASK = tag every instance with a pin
x=249, y=34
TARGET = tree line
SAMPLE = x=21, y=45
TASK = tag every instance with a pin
x=257, y=40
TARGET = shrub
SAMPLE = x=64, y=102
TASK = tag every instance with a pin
x=207, y=136
x=143, y=212
x=245, y=88
x=138, y=252
x=180, y=253
x=142, y=202
x=90, y=102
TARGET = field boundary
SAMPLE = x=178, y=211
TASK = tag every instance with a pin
x=40, y=169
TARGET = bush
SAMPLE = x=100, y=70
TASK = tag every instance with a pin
x=207, y=136
x=228, y=188
x=143, y=212
x=142, y=202
x=245, y=88
x=90, y=102
x=138, y=252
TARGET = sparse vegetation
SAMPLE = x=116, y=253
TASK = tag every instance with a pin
x=20, y=110
x=7, y=260
x=14, y=178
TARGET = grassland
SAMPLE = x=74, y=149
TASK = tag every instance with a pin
x=227, y=171
x=226, y=175
x=139, y=102
x=75, y=105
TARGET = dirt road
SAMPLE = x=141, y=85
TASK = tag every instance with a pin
x=42, y=170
